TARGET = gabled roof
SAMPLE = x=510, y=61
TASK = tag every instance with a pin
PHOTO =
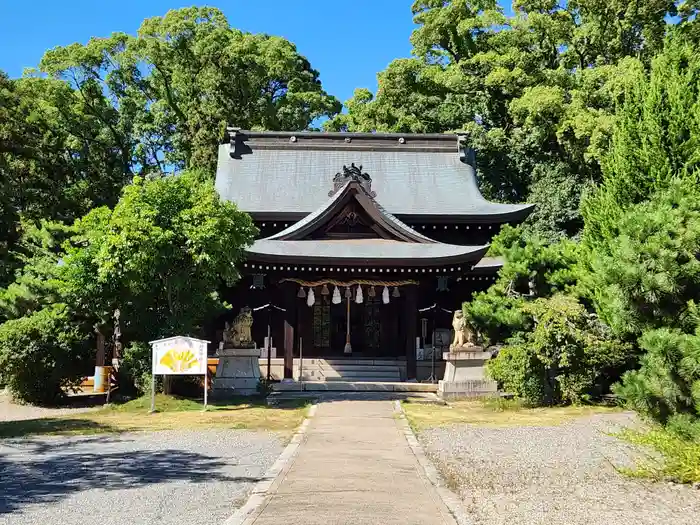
x=395, y=242
x=352, y=190
x=285, y=175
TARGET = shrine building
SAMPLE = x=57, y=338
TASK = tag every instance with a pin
x=368, y=241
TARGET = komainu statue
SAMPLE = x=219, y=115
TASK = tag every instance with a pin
x=464, y=336
x=239, y=334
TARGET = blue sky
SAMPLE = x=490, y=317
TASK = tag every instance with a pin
x=347, y=41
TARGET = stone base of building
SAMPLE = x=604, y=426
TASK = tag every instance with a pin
x=470, y=388
x=465, y=374
x=238, y=372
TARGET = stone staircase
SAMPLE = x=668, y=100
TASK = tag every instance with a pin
x=350, y=370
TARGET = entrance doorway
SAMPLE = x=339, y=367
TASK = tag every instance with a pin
x=330, y=325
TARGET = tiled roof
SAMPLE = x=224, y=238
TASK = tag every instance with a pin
x=275, y=174
x=363, y=251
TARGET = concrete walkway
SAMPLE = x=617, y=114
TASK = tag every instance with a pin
x=354, y=466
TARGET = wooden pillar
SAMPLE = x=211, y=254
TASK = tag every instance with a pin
x=410, y=323
x=289, y=304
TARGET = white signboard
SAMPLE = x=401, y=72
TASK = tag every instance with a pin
x=179, y=356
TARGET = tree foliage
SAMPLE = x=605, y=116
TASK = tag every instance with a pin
x=649, y=276
x=43, y=353
x=534, y=92
x=159, y=256
x=567, y=356
x=56, y=161
x=655, y=141
x=533, y=268
x=667, y=385
x=74, y=131
x=642, y=231
x=554, y=348
x=174, y=86
x=37, y=283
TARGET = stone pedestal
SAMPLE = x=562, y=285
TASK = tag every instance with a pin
x=465, y=374
x=238, y=372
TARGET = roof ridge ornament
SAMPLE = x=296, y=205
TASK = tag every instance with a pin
x=349, y=174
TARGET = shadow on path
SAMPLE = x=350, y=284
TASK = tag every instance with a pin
x=49, y=425
x=30, y=478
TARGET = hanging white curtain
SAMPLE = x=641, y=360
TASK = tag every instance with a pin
x=358, y=297
x=310, y=298
x=385, y=295
x=336, y=296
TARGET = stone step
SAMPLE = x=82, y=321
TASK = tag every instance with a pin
x=361, y=372
x=361, y=362
x=354, y=386
x=282, y=398
x=352, y=371
x=366, y=364
x=365, y=379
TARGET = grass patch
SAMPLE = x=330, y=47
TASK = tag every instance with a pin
x=172, y=414
x=495, y=412
x=671, y=458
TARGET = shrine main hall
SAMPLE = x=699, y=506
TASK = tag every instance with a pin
x=368, y=241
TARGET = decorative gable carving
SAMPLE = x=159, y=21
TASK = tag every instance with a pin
x=351, y=213
x=352, y=222
x=352, y=173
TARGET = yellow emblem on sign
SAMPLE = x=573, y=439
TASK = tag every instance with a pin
x=179, y=360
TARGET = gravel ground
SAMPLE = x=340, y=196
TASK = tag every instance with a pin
x=555, y=475
x=12, y=412
x=182, y=477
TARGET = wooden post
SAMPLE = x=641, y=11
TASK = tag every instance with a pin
x=348, y=347
x=153, y=393
x=101, y=356
x=268, y=346
x=410, y=322
x=289, y=317
x=206, y=386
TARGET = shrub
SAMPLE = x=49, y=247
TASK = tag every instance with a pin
x=677, y=458
x=668, y=382
x=135, y=369
x=43, y=353
x=567, y=357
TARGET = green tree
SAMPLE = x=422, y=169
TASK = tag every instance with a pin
x=73, y=133
x=649, y=275
x=175, y=86
x=38, y=282
x=642, y=231
x=556, y=349
x=533, y=268
x=159, y=256
x=534, y=92
x=56, y=161
x=654, y=143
